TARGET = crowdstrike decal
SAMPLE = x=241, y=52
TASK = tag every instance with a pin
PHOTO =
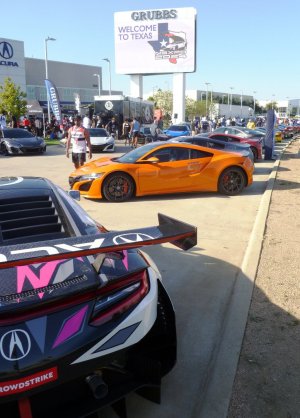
x=12, y=387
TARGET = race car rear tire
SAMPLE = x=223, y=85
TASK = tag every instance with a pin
x=118, y=187
x=231, y=181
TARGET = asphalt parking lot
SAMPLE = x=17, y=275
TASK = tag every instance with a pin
x=201, y=282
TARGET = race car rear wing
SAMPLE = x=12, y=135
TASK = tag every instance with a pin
x=171, y=230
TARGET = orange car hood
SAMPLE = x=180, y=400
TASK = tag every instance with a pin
x=95, y=165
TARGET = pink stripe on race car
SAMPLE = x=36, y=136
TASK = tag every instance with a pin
x=12, y=387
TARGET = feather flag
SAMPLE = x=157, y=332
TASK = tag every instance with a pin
x=54, y=99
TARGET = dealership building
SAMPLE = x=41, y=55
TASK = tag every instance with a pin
x=71, y=80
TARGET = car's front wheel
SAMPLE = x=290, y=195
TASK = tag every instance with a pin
x=231, y=181
x=118, y=187
x=4, y=149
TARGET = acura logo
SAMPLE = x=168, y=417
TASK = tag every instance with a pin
x=6, y=50
x=130, y=237
x=15, y=345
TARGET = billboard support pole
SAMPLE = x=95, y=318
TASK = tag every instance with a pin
x=179, y=97
x=136, y=85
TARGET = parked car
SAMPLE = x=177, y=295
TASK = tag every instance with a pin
x=18, y=141
x=255, y=143
x=161, y=168
x=101, y=140
x=177, y=130
x=241, y=131
x=145, y=135
x=204, y=141
x=85, y=318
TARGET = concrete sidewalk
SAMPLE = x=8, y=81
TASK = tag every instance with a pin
x=277, y=222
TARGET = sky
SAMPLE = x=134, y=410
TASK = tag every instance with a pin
x=248, y=45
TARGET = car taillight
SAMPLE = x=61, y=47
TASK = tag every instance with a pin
x=119, y=297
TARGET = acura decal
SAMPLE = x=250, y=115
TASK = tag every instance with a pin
x=15, y=344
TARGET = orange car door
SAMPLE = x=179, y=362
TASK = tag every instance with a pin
x=167, y=175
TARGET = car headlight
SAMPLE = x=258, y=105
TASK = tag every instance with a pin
x=92, y=176
x=14, y=144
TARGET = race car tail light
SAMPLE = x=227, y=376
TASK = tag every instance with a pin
x=119, y=298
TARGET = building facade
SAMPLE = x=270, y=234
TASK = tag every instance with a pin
x=71, y=80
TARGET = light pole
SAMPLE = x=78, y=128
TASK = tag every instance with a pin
x=254, y=93
x=207, y=84
x=46, y=65
x=273, y=95
x=98, y=76
x=109, y=69
x=231, y=88
x=242, y=104
x=287, y=107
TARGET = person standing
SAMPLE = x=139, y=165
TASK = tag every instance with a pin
x=126, y=131
x=86, y=123
x=79, y=137
x=135, y=129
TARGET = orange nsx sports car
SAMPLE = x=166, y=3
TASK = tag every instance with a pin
x=161, y=168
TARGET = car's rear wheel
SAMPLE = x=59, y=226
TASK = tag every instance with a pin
x=118, y=187
x=232, y=181
x=4, y=149
x=255, y=153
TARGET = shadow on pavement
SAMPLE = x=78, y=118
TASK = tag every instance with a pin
x=202, y=293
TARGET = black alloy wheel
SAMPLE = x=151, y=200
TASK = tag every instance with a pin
x=4, y=149
x=118, y=187
x=232, y=181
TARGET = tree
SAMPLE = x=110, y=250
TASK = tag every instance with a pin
x=163, y=100
x=194, y=108
x=12, y=100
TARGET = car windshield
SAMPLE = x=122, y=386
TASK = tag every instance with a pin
x=178, y=128
x=98, y=132
x=137, y=153
x=16, y=133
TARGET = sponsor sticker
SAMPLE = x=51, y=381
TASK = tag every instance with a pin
x=12, y=387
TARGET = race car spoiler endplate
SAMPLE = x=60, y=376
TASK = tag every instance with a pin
x=171, y=230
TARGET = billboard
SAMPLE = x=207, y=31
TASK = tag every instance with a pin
x=155, y=41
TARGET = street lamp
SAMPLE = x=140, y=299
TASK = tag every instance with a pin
x=46, y=65
x=207, y=84
x=109, y=69
x=231, y=88
x=98, y=76
x=254, y=93
x=273, y=95
x=242, y=104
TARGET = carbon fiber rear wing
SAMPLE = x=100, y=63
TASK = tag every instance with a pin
x=171, y=230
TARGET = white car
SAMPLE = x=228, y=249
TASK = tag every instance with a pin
x=101, y=140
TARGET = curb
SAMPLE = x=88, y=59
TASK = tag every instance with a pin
x=217, y=396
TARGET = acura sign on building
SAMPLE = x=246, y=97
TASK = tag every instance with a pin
x=12, y=62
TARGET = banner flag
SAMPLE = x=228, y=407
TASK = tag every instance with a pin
x=270, y=134
x=54, y=99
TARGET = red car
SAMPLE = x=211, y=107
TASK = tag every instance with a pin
x=256, y=144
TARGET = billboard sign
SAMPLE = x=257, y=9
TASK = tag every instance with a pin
x=155, y=41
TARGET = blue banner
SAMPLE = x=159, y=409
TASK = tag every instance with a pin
x=270, y=134
x=54, y=99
